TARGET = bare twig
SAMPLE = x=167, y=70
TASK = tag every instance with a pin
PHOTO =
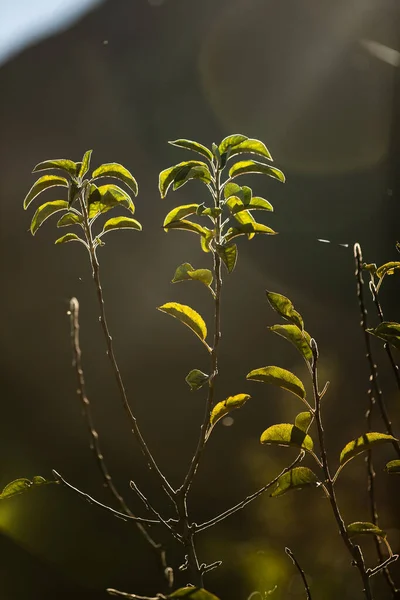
x=113, y=592
x=383, y=566
x=300, y=570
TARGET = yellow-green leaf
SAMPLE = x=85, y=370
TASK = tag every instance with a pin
x=250, y=146
x=253, y=166
x=286, y=434
x=226, y=406
x=69, y=237
x=393, y=466
x=300, y=339
x=18, y=486
x=121, y=223
x=43, y=183
x=388, y=269
x=179, y=212
x=105, y=197
x=303, y=420
x=192, y=593
x=187, y=173
x=280, y=377
x=194, y=146
x=388, y=331
x=230, y=141
x=186, y=272
x=45, y=211
x=206, y=239
x=296, y=478
x=168, y=176
x=248, y=229
x=187, y=316
x=228, y=256
x=196, y=379
x=362, y=444
x=285, y=308
x=364, y=528
x=70, y=218
x=84, y=168
x=187, y=226
x=59, y=163
x=117, y=171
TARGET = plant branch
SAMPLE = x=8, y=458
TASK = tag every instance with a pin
x=113, y=592
x=300, y=570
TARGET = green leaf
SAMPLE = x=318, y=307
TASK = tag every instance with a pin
x=389, y=332
x=179, y=212
x=118, y=172
x=105, y=197
x=73, y=192
x=84, y=168
x=362, y=444
x=280, y=377
x=393, y=466
x=121, y=223
x=196, y=379
x=285, y=308
x=70, y=218
x=187, y=226
x=206, y=239
x=303, y=420
x=228, y=256
x=196, y=172
x=45, y=211
x=69, y=237
x=253, y=166
x=296, y=478
x=193, y=593
x=364, y=528
x=230, y=141
x=251, y=146
x=188, y=317
x=59, y=163
x=257, y=203
x=286, y=434
x=21, y=485
x=300, y=339
x=242, y=215
x=168, y=176
x=247, y=229
x=43, y=183
x=226, y=406
x=186, y=272
x=194, y=146
x=387, y=269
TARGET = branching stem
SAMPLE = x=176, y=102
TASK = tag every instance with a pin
x=300, y=570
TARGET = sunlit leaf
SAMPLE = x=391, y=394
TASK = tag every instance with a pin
x=251, y=146
x=188, y=316
x=362, y=444
x=70, y=218
x=45, y=211
x=187, y=173
x=196, y=379
x=280, y=377
x=300, y=339
x=20, y=486
x=179, y=212
x=233, y=189
x=85, y=164
x=186, y=272
x=121, y=223
x=69, y=237
x=228, y=256
x=239, y=212
x=206, y=239
x=364, y=528
x=192, y=593
x=393, y=466
x=388, y=331
x=43, y=183
x=60, y=163
x=387, y=269
x=105, y=197
x=74, y=191
x=253, y=166
x=286, y=434
x=246, y=229
x=296, y=478
x=167, y=177
x=285, y=308
x=187, y=226
x=230, y=141
x=118, y=172
x=226, y=406
x=194, y=146
x=303, y=420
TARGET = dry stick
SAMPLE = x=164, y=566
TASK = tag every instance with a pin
x=94, y=436
x=110, y=353
x=300, y=570
x=374, y=390
x=113, y=592
x=355, y=551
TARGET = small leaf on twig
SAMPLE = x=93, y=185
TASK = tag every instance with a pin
x=286, y=434
x=296, y=478
x=362, y=444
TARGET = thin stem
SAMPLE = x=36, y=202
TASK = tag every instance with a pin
x=300, y=570
x=111, y=355
x=113, y=592
x=94, y=436
x=354, y=551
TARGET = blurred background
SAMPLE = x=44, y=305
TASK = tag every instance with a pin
x=319, y=83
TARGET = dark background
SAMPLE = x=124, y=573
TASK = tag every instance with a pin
x=130, y=75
